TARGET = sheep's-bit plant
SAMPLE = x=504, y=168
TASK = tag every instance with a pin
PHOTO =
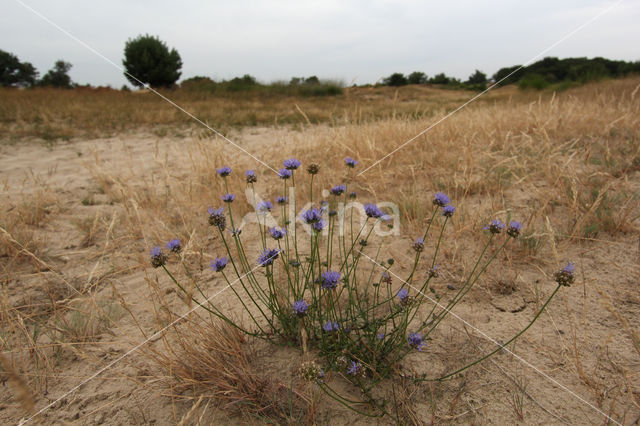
x=312, y=284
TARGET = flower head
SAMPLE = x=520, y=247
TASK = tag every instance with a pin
x=448, y=210
x=373, y=211
x=565, y=276
x=416, y=341
x=228, y=198
x=319, y=225
x=158, y=258
x=281, y=200
x=330, y=279
x=354, y=367
x=418, y=244
x=403, y=295
x=514, y=228
x=264, y=206
x=174, y=245
x=285, y=173
x=350, y=162
x=250, y=176
x=440, y=199
x=312, y=215
x=353, y=195
x=311, y=372
x=313, y=169
x=386, y=277
x=277, y=233
x=235, y=231
x=300, y=308
x=495, y=227
x=291, y=164
x=267, y=257
x=338, y=189
x=433, y=272
x=224, y=171
x=217, y=218
x=330, y=326
x=219, y=263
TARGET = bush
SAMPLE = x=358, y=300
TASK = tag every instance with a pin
x=533, y=81
x=317, y=286
x=14, y=73
x=58, y=76
x=417, y=77
x=395, y=79
x=148, y=60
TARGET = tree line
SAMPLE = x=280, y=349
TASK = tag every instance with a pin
x=149, y=61
x=538, y=75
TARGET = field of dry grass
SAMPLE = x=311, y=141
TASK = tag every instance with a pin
x=78, y=217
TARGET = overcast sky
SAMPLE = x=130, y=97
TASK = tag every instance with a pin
x=356, y=41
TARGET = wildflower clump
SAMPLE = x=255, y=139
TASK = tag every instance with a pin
x=318, y=279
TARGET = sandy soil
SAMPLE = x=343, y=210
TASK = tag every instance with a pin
x=575, y=364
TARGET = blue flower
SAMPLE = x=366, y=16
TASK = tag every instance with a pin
x=251, y=177
x=281, y=200
x=264, y=206
x=403, y=294
x=418, y=244
x=447, y=211
x=217, y=218
x=514, y=229
x=330, y=279
x=330, y=326
x=352, y=195
x=440, y=199
x=312, y=215
x=300, y=308
x=565, y=276
x=380, y=336
x=219, y=263
x=291, y=164
x=224, y=171
x=416, y=341
x=319, y=225
x=267, y=257
x=372, y=211
x=285, y=173
x=277, y=233
x=495, y=227
x=338, y=189
x=174, y=245
x=158, y=258
x=350, y=162
x=228, y=198
x=354, y=367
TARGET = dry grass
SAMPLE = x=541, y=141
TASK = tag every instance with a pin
x=566, y=165
x=102, y=112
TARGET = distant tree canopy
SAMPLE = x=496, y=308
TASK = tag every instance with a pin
x=58, y=76
x=417, y=77
x=552, y=70
x=477, y=77
x=14, y=73
x=150, y=61
x=395, y=79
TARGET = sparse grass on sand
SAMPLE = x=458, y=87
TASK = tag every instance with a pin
x=77, y=291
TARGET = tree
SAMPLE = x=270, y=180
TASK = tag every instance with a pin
x=395, y=79
x=440, y=79
x=417, y=77
x=148, y=60
x=14, y=73
x=477, y=77
x=58, y=76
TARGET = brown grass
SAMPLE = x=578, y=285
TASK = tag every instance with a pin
x=565, y=164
